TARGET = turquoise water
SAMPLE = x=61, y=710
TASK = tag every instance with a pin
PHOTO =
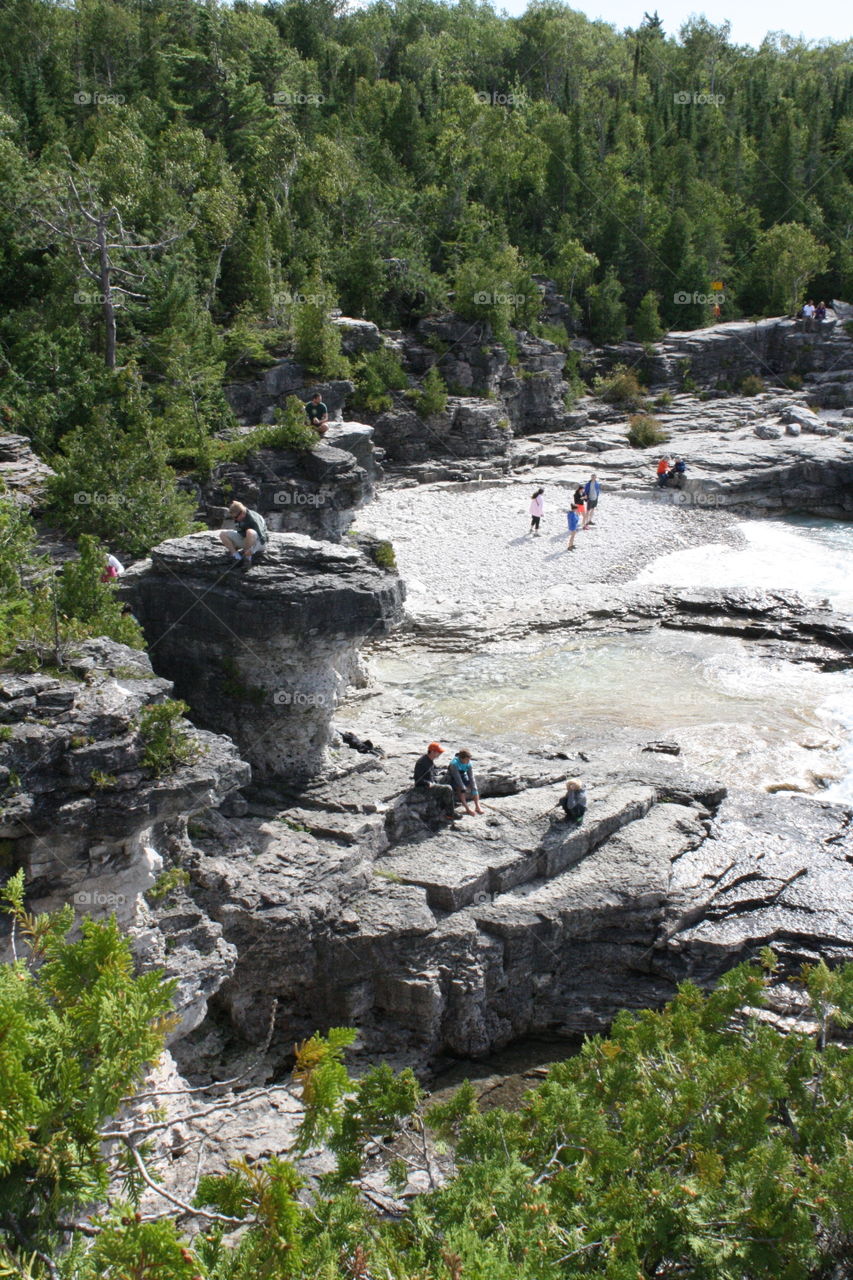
x=736, y=712
x=740, y=714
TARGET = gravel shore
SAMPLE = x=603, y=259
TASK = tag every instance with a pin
x=457, y=544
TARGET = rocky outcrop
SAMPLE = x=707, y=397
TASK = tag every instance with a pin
x=22, y=473
x=264, y=656
x=730, y=464
x=315, y=492
x=357, y=336
x=256, y=402
x=90, y=822
x=724, y=354
x=801, y=628
x=462, y=939
x=530, y=390
x=467, y=428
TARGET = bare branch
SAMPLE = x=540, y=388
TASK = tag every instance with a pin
x=176, y=1201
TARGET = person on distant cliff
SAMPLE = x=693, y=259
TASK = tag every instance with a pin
x=591, y=492
x=537, y=511
x=318, y=414
x=113, y=569
x=808, y=315
x=664, y=467
x=247, y=538
x=460, y=775
x=574, y=801
x=820, y=312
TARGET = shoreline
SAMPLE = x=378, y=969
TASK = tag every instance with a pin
x=463, y=545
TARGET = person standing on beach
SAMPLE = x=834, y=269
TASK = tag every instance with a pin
x=574, y=524
x=591, y=490
x=537, y=511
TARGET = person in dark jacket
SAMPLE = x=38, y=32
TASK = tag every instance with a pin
x=460, y=775
x=247, y=538
x=425, y=769
x=426, y=781
x=574, y=801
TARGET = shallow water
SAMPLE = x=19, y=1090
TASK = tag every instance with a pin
x=743, y=716
x=799, y=554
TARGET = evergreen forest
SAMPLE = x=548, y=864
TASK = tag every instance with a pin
x=178, y=180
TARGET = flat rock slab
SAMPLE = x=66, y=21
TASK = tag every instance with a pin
x=567, y=843
x=627, y=878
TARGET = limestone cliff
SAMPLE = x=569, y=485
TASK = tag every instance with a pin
x=90, y=822
x=264, y=656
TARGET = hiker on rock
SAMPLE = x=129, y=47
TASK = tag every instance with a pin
x=247, y=538
x=664, y=467
x=537, y=511
x=574, y=801
x=460, y=775
x=318, y=414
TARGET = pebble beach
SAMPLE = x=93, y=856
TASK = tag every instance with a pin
x=459, y=544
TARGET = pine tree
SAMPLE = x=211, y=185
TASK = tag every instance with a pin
x=113, y=478
x=647, y=321
x=606, y=309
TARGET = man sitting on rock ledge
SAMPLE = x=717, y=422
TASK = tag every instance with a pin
x=426, y=781
x=247, y=538
x=318, y=414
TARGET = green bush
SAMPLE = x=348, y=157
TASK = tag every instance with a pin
x=378, y=373
x=168, y=882
x=606, y=309
x=88, y=606
x=793, y=381
x=644, y=431
x=663, y=401
x=383, y=555
x=555, y=333
x=751, y=385
x=694, y=1141
x=42, y=612
x=168, y=746
x=621, y=388
x=291, y=431
x=432, y=398
x=77, y=1029
x=113, y=479
x=317, y=340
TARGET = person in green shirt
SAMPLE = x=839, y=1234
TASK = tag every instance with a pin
x=318, y=414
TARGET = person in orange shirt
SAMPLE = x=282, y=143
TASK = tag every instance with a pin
x=663, y=471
